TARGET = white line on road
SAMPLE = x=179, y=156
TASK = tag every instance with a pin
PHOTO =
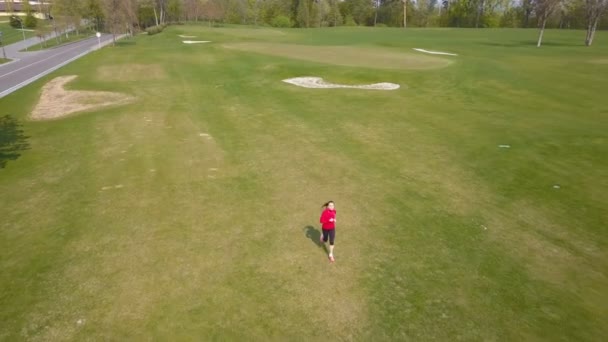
x=42, y=60
x=42, y=74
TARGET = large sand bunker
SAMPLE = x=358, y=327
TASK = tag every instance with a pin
x=319, y=83
x=56, y=102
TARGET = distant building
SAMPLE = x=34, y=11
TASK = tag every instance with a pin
x=40, y=9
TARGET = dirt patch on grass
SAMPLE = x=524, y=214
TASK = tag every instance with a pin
x=131, y=72
x=377, y=58
x=56, y=102
x=599, y=61
x=250, y=33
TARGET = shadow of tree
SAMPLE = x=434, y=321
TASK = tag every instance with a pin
x=12, y=140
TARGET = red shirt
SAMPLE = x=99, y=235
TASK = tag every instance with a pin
x=326, y=215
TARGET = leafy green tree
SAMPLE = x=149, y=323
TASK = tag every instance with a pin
x=543, y=9
x=334, y=16
x=303, y=14
x=174, y=10
x=594, y=10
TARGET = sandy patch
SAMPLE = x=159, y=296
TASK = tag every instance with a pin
x=196, y=41
x=600, y=61
x=350, y=56
x=319, y=83
x=119, y=186
x=435, y=52
x=56, y=102
x=131, y=72
x=250, y=32
x=205, y=135
x=183, y=36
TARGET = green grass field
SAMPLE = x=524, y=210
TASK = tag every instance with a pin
x=11, y=35
x=192, y=214
x=72, y=38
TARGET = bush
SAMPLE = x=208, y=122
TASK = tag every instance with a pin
x=281, y=21
x=15, y=21
x=349, y=21
x=30, y=21
x=155, y=29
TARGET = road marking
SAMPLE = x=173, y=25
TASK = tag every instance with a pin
x=40, y=61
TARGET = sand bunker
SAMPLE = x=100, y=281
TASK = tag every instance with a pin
x=319, y=83
x=436, y=52
x=196, y=41
x=56, y=102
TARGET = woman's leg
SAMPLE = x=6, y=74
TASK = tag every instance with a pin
x=332, y=238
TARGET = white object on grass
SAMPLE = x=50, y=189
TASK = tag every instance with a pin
x=504, y=146
x=319, y=83
x=196, y=41
x=182, y=36
x=556, y=186
x=435, y=52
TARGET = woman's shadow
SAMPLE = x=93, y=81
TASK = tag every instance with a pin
x=315, y=236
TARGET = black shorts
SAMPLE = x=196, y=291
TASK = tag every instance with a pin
x=331, y=233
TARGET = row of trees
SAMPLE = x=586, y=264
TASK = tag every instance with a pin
x=419, y=13
x=128, y=15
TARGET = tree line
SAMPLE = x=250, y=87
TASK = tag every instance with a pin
x=132, y=15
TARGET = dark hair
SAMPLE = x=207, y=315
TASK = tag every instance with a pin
x=326, y=204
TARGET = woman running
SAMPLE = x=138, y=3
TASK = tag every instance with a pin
x=328, y=225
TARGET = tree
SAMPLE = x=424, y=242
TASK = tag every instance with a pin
x=334, y=17
x=213, y=11
x=71, y=10
x=361, y=10
x=119, y=16
x=593, y=11
x=480, y=7
x=9, y=6
x=93, y=12
x=404, y=13
x=527, y=7
x=174, y=10
x=303, y=14
x=30, y=21
x=543, y=9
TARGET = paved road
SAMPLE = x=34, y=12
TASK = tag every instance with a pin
x=27, y=67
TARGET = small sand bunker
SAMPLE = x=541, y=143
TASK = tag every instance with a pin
x=56, y=102
x=196, y=41
x=183, y=36
x=319, y=83
x=435, y=52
